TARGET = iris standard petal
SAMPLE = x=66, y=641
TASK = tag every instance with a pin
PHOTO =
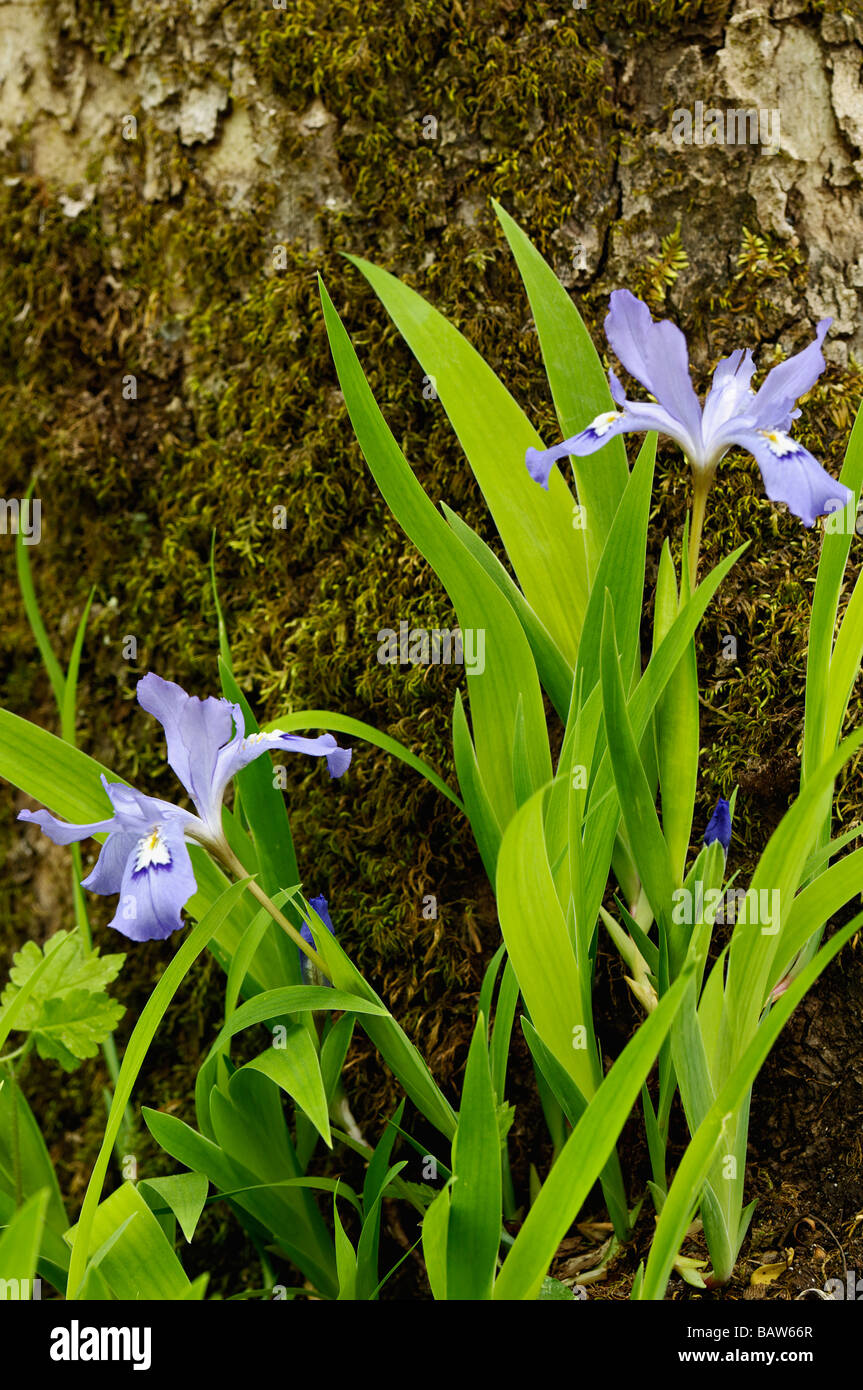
x=198, y=734
x=785, y=384
x=792, y=475
x=158, y=881
x=645, y=415
x=656, y=355
x=729, y=395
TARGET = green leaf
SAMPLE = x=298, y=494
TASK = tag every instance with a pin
x=509, y=673
x=356, y=728
x=272, y=1209
x=387, y=1035
x=603, y=815
x=813, y=906
x=70, y=685
x=554, y=670
x=553, y=1288
x=540, y=946
x=535, y=525
x=578, y=385
x=378, y=1176
x=573, y=1104
x=334, y=1051
x=621, y=574
x=475, y=1208
x=434, y=1237
x=264, y=808
x=677, y=724
x=35, y=1169
x=501, y=1032
x=71, y=1028
x=244, y=955
x=346, y=1259
x=34, y=617
x=819, y=733
x=293, y=1064
x=292, y=999
x=131, y=1251
x=185, y=1195
x=249, y=1124
x=20, y=1242
x=65, y=1007
x=483, y=820
x=779, y=869
x=633, y=792
x=70, y=968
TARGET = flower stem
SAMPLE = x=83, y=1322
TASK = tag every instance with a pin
x=231, y=862
x=700, y=490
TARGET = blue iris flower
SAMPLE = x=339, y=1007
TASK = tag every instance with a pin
x=656, y=355
x=146, y=857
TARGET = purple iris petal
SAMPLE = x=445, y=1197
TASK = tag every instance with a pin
x=207, y=745
x=792, y=475
x=144, y=859
x=634, y=417
x=158, y=881
x=730, y=391
x=655, y=354
x=132, y=812
x=200, y=735
x=784, y=385
x=60, y=831
x=719, y=825
x=106, y=877
x=325, y=746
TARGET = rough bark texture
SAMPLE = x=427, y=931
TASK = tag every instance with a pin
x=156, y=155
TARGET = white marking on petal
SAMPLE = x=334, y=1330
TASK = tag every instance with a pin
x=779, y=443
x=152, y=852
x=603, y=423
x=255, y=739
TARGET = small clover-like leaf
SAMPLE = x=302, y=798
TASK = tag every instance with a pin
x=68, y=1013
x=71, y=1027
